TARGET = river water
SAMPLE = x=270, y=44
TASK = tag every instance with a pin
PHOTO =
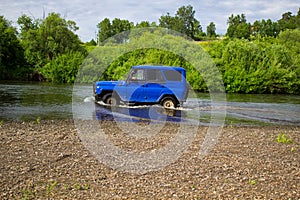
x=32, y=101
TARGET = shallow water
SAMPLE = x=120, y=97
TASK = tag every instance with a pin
x=31, y=101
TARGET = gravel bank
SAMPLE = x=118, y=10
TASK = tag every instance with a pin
x=48, y=160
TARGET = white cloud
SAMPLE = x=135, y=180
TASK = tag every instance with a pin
x=88, y=13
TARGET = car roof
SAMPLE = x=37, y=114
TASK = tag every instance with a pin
x=163, y=67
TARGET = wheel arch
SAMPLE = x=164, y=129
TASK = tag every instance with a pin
x=106, y=93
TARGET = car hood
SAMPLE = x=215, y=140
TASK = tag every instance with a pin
x=113, y=83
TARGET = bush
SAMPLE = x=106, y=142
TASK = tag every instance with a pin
x=260, y=65
x=64, y=68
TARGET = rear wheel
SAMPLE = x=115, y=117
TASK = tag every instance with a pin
x=169, y=102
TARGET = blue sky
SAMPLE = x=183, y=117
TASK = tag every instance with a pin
x=88, y=13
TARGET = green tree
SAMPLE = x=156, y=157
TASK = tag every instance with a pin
x=189, y=24
x=26, y=24
x=29, y=39
x=287, y=21
x=12, y=62
x=120, y=25
x=92, y=42
x=184, y=22
x=108, y=29
x=211, y=30
x=143, y=24
x=105, y=29
x=238, y=27
x=47, y=40
x=167, y=21
x=57, y=36
x=53, y=36
x=265, y=28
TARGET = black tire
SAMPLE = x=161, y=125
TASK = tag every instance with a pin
x=111, y=100
x=97, y=98
x=169, y=102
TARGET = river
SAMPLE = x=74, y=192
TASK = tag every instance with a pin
x=32, y=101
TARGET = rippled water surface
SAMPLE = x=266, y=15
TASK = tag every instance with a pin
x=30, y=101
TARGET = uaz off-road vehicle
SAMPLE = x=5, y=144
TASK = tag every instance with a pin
x=146, y=85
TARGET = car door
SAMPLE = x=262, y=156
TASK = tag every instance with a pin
x=154, y=85
x=135, y=86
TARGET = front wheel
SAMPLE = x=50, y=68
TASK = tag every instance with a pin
x=111, y=100
x=169, y=102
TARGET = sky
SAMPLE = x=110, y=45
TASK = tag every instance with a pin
x=88, y=13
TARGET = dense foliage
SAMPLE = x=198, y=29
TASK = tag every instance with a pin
x=263, y=57
x=239, y=28
x=259, y=65
x=64, y=68
x=12, y=62
x=37, y=46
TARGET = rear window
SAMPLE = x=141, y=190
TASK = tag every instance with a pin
x=173, y=75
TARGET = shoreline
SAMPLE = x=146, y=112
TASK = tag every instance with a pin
x=47, y=159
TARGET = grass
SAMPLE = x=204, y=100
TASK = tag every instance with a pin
x=50, y=188
x=27, y=194
x=77, y=186
x=30, y=191
x=252, y=182
x=283, y=138
x=293, y=149
x=231, y=122
x=38, y=120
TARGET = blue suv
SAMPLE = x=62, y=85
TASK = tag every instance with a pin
x=146, y=85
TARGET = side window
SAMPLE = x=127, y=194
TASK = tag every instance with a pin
x=137, y=75
x=173, y=75
x=154, y=75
